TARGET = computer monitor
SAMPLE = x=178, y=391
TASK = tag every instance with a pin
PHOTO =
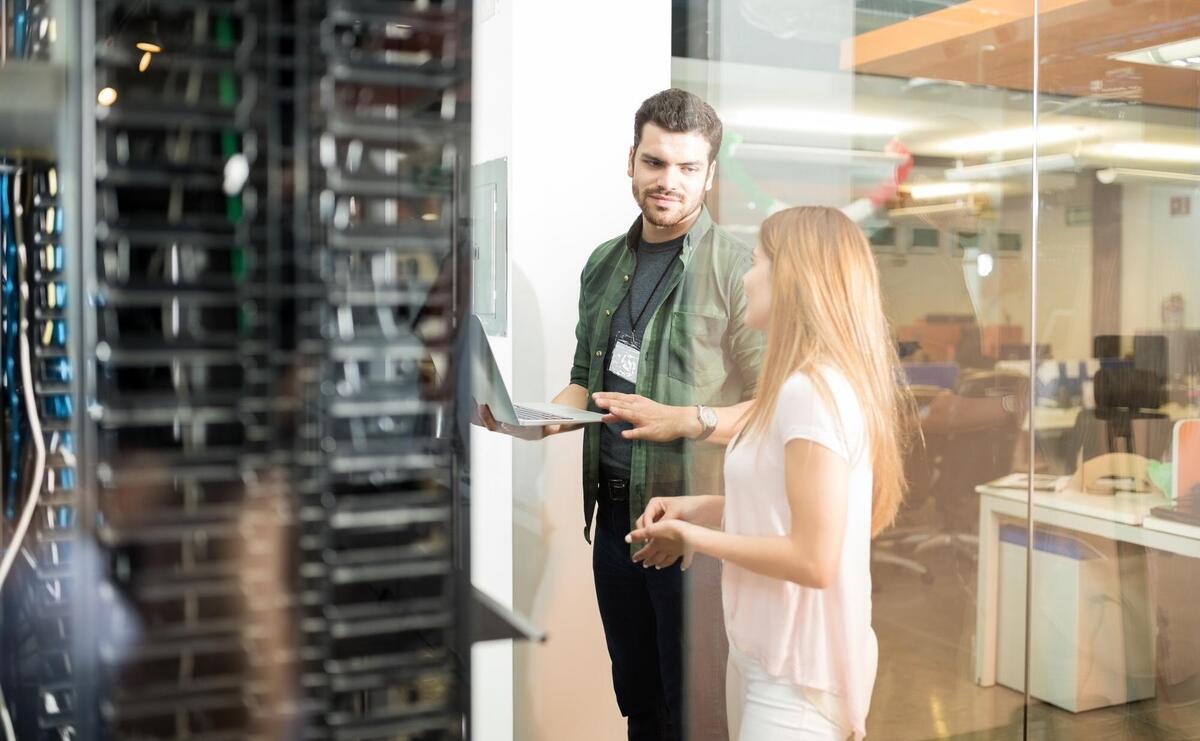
x=1145, y=352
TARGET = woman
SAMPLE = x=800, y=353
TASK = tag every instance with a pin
x=815, y=471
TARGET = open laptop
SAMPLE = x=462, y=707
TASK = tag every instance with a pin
x=488, y=387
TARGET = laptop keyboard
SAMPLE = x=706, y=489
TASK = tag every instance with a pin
x=527, y=413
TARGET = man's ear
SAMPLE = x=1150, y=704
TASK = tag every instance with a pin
x=712, y=173
x=630, y=168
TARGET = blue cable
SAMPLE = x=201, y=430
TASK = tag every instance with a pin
x=8, y=346
x=19, y=34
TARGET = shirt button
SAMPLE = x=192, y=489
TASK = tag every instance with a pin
x=627, y=279
x=599, y=353
x=607, y=312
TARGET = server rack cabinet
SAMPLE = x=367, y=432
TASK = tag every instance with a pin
x=234, y=258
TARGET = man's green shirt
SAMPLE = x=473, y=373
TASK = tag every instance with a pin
x=695, y=350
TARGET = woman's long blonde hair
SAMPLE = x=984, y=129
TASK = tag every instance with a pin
x=826, y=310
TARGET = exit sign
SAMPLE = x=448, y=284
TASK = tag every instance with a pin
x=1181, y=205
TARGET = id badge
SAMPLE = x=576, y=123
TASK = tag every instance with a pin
x=625, y=357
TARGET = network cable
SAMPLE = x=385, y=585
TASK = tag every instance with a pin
x=35, y=425
x=21, y=296
x=9, y=198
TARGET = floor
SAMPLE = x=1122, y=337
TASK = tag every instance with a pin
x=925, y=687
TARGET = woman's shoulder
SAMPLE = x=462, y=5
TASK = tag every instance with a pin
x=833, y=401
x=801, y=383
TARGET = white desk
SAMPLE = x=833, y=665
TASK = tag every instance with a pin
x=1123, y=517
x=1049, y=420
x=1052, y=419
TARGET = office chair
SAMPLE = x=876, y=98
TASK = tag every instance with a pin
x=964, y=459
x=893, y=547
x=947, y=470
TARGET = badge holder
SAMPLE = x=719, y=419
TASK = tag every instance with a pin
x=626, y=355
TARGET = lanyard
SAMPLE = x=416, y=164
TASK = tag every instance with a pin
x=649, y=299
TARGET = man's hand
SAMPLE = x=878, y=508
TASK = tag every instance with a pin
x=651, y=420
x=483, y=418
x=666, y=542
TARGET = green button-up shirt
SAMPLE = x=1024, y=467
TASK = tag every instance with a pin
x=696, y=349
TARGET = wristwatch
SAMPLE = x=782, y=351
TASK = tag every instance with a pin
x=708, y=421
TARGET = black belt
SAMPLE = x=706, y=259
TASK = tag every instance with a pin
x=614, y=490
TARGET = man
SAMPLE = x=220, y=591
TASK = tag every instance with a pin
x=661, y=316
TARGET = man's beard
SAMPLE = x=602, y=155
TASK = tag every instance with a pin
x=651, y=213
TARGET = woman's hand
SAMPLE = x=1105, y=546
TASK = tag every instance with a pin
x=666, y=542
x=664, y=508
x=651, y=420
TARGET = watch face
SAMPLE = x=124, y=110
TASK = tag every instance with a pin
x=708, y=416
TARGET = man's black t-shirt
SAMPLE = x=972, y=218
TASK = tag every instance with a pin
x=648, y=287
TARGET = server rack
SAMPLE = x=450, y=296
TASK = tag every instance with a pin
x=243, y=272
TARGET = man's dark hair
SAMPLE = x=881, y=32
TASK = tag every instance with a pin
x=680, y=112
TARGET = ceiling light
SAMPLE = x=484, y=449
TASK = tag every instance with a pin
x=1111, y=175
x=144, y=62
x=798, y=153
x=816, y=121
x=106, y=97
x=1152, y=151
x=1010, y=139
x=932, y=191
x=1012, y=168
x=148, y=47
x=1173, y=54
x=935, y=208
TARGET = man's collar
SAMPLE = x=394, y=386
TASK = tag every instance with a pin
x=703, y=223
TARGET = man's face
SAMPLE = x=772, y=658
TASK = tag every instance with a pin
x=671, y=174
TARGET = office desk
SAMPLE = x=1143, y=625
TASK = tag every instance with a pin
x=1123, y=517
x=1052, y=419
x=1049, y=420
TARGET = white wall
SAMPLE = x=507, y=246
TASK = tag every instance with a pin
x=1160, y=255
x=555, y=89
x=491, y=455
x=916, y=285
x=579, y=74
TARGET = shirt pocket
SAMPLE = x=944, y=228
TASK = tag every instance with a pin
x=696, y=354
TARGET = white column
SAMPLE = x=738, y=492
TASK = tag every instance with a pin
x=556, y=87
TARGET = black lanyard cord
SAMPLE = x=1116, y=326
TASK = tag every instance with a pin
x=650, y=299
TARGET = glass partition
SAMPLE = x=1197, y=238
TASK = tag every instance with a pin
x=811, y=94
x=1113, y=622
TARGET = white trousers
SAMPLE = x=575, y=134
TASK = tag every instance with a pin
x=764, y=708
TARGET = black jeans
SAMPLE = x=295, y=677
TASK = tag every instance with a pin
x=642, y=612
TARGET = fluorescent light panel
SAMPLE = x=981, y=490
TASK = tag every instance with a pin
x=1013, y=139
x=1150, y=151
x=1012, y=168
x=936, y=208
x=1184, y=54
x=816, y=121
x=1125, y=174
x=933, y=191
x=797, y=153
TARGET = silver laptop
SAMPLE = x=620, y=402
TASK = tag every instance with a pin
x=488, y=387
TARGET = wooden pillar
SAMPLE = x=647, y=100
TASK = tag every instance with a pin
x=1106, y=259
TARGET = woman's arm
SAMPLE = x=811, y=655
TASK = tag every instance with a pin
x=705, y=510
x=816, y=480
